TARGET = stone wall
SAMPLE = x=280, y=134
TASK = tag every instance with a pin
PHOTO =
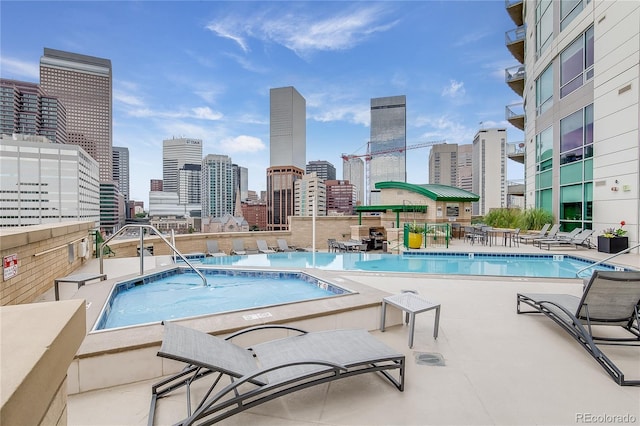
x=43, y=255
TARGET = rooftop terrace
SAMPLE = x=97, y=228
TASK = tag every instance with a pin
x=499, y=367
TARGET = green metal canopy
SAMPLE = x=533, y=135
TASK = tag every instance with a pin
x=434, y=191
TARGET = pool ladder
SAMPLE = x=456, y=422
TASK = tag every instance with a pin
x=627, y=250
x=141, y=228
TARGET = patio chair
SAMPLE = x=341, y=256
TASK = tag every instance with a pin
x=582, y=239
x=564, y=237
x=267, y=370
x=263, y=248
x=611, y=298
x=213, y=249
x=530, y=237
x=284, y=246
x=238, y=247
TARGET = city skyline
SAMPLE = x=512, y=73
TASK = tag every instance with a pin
x=206, y=74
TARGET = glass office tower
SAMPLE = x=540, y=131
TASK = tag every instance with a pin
x=387, y=143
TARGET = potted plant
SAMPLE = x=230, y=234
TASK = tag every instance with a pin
x=613, y=240
x=415, y=235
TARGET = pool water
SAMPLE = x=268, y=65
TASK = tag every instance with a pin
x=182, y=295
x=510, y=265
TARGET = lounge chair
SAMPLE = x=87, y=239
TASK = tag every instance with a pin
x=565, y=237
x=267, y=370
x=263, y=248
x=611, y=298
x=530, y=237
x=213, y=249
x=284, y=246
x=553, y=232
x=238, y=247
x=582, y=239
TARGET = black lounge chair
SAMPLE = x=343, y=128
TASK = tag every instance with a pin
x=611, y=298
x=267, y=370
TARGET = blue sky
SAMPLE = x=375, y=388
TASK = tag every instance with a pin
x=204, y=69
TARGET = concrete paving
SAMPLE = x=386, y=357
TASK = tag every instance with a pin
x=499, y=368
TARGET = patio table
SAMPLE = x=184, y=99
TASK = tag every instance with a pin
x=412, y=304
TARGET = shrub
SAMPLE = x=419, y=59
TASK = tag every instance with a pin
x=534, y=219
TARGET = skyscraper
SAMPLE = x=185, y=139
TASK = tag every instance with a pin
x=27, y=109
x=84, y=85
x=288, y=150
x=581, y=123
x=217, y=186
x=181, y=164
x=310, y=192
x=465, y=167
x=387, y=143
x=121, y=169
x=443, y=164
x=353, y=171
x=324, y=169
x=489, y=174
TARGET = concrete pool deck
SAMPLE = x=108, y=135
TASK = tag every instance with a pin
x=499, y=367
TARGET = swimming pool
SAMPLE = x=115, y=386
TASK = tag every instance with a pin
x=494, y=264
x=179, y=293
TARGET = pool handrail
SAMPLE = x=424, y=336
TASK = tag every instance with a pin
x=141, y=227
x=627, y=250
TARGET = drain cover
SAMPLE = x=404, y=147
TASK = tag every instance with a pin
x=429, y=358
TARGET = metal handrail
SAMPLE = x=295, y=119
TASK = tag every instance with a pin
x=628, y=249
x=152, y=228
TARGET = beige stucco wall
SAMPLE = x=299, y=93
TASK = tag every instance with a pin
x=39, y=342
x=436, y=210
x=43, y=256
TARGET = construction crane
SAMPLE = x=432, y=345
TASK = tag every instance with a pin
x=368, y=156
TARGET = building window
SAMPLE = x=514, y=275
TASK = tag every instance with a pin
x=544, y=90
x=544, y=25
x=576, y=136
x=576, y=63
x=569, y=9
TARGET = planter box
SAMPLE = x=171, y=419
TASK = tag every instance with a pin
x=612, y=245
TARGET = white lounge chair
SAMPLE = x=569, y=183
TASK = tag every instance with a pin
x=263, y=247
x=213, y=249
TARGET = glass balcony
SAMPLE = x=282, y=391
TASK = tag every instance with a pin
x=514, y=40
x=514, y=114
x=516, y=187
x=515, y=77
x=514, y=8
x=515, y=152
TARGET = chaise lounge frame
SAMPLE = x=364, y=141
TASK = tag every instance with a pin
x=611, y=298
x=267, y=370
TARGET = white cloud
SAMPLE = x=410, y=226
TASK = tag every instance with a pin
x=305, y=33
x=127, y=98
x=455, y=89
x=200, y=113
x=446, y=128
x=19, y=69
x=243, y=143
x=206, y=113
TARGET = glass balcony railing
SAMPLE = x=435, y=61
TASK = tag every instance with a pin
x=515, y=41
x=514, y=8
x=515, y=77
x=514, y=114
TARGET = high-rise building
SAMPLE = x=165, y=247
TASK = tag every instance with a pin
x=155, y=185
x=112, y=207
x=341, y=197
x=26, y=109
x=288, y=146
x=353, y=171
x=443, y=164
x=387, y=143
x=189, y=183
x=324, y=169
x=176, y=152
x=121, y=169
x=580, y=77
x=310, y=192
x=84, y=85
x=217, y=186
x=46, y=183
x=465, y=167
x=287, y=128
x=489, y=175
